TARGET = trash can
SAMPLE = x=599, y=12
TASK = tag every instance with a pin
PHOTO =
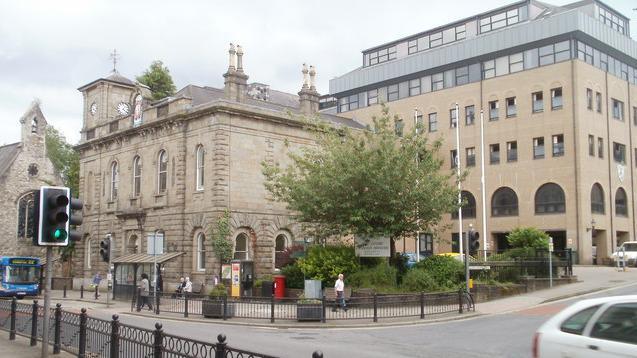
x=279, y=286
x=267, y=288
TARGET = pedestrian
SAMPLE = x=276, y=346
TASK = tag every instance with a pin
x=188, y=286
x=96, y=282
x=144, y=293
x=339, y=288
x=179, y=290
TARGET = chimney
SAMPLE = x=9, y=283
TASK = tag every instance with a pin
x=308, y=96
x=235, y=80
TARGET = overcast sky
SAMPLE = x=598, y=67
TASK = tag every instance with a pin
x=50, y=48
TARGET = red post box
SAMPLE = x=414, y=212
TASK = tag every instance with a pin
x=279, y=286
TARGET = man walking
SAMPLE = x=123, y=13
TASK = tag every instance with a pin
x=339, y=288
x=144, y=293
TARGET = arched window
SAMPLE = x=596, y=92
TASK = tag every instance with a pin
x=621, y=204
x=137, y=175
x=504, y=202
x=241, y=247
x=201, y=252
x=114, y=180
x=133, y=244
x=200, y=166
x=468, y=206
x=549, y=199
x=162, y=171
x=25, y=216
x=597, y=199
x=88, y=254
x=280, y=244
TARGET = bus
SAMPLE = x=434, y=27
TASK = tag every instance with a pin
x=20, y=276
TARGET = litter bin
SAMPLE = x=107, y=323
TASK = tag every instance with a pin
x=279, y=286
x=267, y=288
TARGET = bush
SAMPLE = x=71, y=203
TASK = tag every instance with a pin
x=293, y=276
x=380, y=277
x=325, y=263
x=399, y=261
x=446, y=271
x=528, y=237
x=218, y=291
x=417, y=280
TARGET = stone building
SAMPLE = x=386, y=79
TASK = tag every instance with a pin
x=24, y=167
x=557, y=86
x=170, y=168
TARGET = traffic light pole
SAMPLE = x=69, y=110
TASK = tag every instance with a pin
x=466, y=257
x=47, y=302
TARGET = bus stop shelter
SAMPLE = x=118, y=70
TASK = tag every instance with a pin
x=129, y=268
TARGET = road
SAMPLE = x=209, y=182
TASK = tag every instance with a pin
x=502, y=335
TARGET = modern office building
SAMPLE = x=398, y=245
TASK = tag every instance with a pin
x=558, y=89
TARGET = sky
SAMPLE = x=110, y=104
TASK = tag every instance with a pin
x=50, y=48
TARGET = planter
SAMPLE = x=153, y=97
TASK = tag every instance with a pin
x=309, y=311
x=214, y=308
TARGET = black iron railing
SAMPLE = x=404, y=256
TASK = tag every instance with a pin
x=373, y=307
x=86, y=336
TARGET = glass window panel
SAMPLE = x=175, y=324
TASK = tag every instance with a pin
x=403, y=89
x=449, y=35
x=474, y=72
x=502, y=66
x=423, y=43
x=449, y=79
x=425, y=84
x=531, y=58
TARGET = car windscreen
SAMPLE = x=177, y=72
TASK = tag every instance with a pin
x=576, y=323
x=22, y=274
x=618, y=323
x=630, y=246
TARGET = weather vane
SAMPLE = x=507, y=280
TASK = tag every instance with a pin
x=114, y=57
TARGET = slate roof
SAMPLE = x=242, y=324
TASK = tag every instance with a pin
x=8, y=153
x=114, y=76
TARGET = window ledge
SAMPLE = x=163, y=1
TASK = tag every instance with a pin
x=160, y=195
x=538, y=111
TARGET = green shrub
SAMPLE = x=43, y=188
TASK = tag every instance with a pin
x=399, y=261
x=325, y=263
x=218, y=291
x=417, y=280
x=445, y=270
x=528, y=237
x=380, y=277
x=293, y=276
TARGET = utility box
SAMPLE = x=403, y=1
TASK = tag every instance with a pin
x=313, y=289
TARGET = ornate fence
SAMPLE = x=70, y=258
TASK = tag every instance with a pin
x=86, y=336
x=373, y=308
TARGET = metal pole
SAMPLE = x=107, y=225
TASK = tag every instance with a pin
x=550, y=262
x=47, y=302
x=483, y=186
x=458, y=181
x=417, y=217
x=466, y=256
x=155, y=264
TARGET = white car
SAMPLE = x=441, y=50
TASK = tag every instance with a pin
x=600, y=327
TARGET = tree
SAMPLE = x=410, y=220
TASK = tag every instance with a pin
x=219, y=239
x=66, y=162
x=157, y=78
x=365, y=182
x=525, y=240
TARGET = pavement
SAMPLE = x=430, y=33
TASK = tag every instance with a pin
x=591, y=279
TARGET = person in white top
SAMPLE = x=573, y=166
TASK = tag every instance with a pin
x=188, y=286
x=339, y=288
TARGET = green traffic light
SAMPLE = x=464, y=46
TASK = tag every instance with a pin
x=59, y=234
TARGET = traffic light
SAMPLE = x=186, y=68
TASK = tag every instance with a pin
x=105, y=249
x=52, y=216
x=474, y=242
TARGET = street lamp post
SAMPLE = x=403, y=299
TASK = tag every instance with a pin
x=417, y=217
x=483, y=186
x=457, y=159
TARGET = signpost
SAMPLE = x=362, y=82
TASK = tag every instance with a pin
x=377, y=246
x=550, y=261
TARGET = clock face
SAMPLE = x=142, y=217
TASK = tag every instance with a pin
x=93, y=108
x=123, y=108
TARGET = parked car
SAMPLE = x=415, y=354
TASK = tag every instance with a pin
x=411, y=259
x=600, y=327
x=630, y=249
x=457, y=256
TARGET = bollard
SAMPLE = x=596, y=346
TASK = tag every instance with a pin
x=375, y=308
x=317, y=354
x=271, y=308
x=82, y=291
x=57, y=327
x=460, y=301
x=64, y=294
x=225, y=309
x=323, y=309
x=186, y=304
x=82, y=343
x=422, y=305
x=14, y=306
x=115, y=337
x=157, y=302
x=220, y=346
x=34, y=323
x=158, y=345
x=97, y=294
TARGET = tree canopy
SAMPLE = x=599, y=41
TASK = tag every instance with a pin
x=365, y=182
x=66, y=161
x=220, y=241
x=157, y=78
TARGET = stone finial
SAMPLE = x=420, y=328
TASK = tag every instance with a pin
x=306, y=78
x=239, y=58
x=312, y=77
x=232, y=61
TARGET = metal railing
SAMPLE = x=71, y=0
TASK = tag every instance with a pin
x=372, y=307
x=86, y=336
